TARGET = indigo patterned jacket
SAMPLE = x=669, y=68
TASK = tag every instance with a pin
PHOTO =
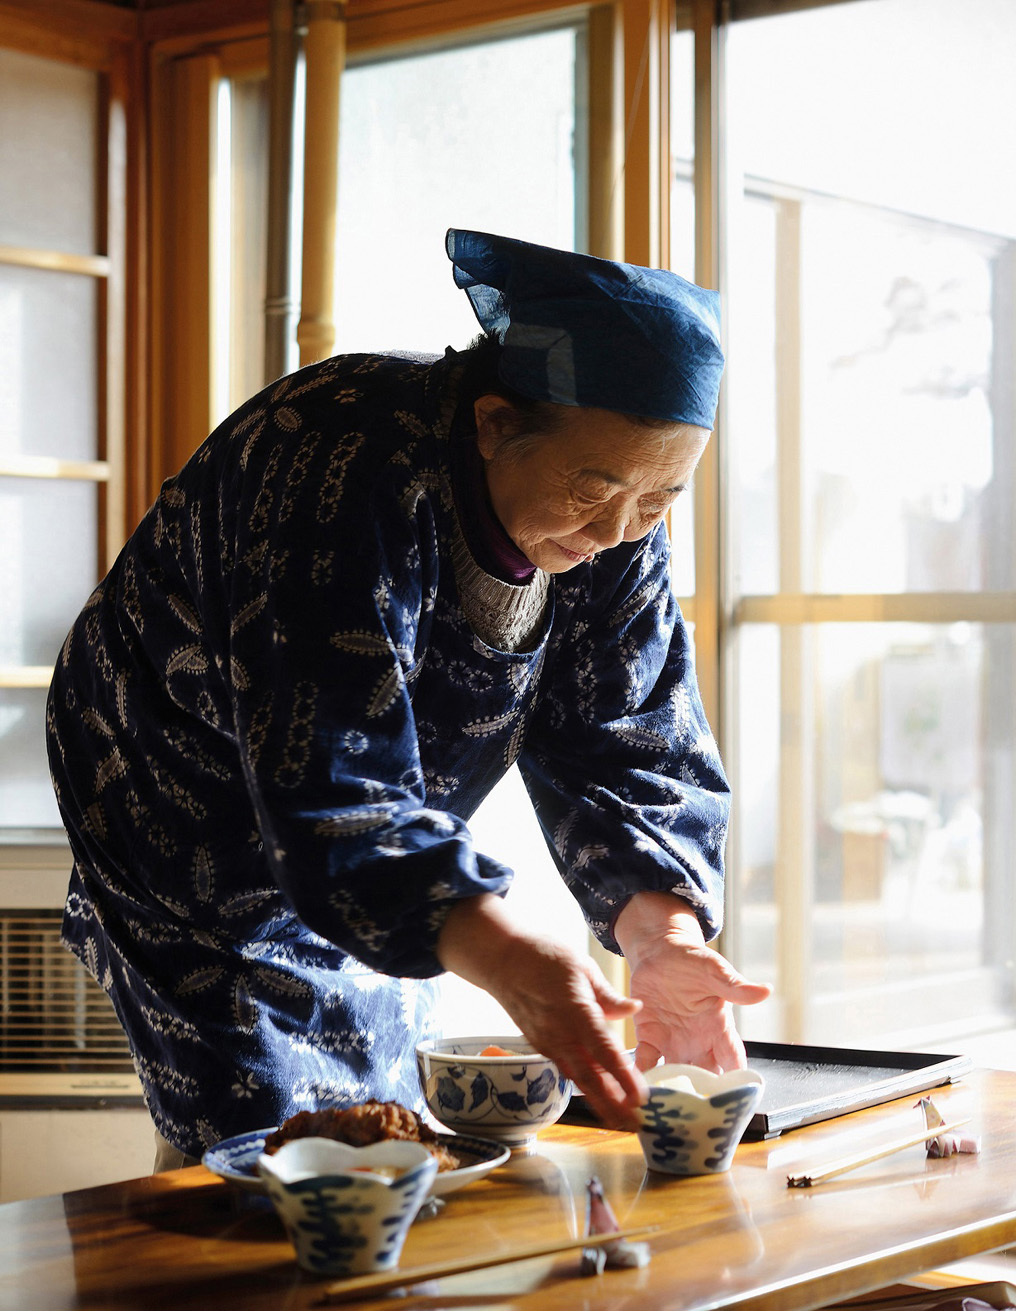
x=270, y=726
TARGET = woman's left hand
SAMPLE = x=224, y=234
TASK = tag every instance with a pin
x=687, y=990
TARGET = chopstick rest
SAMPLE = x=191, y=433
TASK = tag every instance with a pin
x=846, y=1163
x=601, y=1221
x=946, y=1144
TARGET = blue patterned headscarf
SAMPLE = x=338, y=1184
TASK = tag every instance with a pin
x=578, y=330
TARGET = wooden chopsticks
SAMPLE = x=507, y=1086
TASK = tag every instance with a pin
x=846, y=1163
x=380, y=1283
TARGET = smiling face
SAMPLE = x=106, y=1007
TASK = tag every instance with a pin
x=598, y=479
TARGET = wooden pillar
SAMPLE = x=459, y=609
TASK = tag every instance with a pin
x=184, y=150
x=647, y=27
x=628, y=199
x=324, y=57
x=713, y=657
x=605, y=109
x=280, y=307
x=708, y=560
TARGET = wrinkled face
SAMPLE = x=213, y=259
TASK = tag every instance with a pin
x=599, y=480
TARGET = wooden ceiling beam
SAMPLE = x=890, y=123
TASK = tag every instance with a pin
x=84, y=32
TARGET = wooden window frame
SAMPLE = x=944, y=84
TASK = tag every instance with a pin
x=190, y=47
x=89, y=36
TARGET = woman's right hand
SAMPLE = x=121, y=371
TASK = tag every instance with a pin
x=560, y=1001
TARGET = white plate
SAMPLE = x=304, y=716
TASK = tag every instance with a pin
x=236, y=1159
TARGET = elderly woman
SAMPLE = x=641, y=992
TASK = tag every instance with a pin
x=373, y=589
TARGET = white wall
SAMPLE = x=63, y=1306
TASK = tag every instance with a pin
x=44, y=1151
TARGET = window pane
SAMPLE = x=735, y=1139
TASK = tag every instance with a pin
x=872, y=254
x=874, y=798
x=48, y=564
x=682, y=153
x=247, y=241
x=48, y=326
x=26, y=794
x=426, y=144
x=751, y=430
x=49, y=135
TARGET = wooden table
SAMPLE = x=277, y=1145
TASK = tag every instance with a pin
x=187, y=1240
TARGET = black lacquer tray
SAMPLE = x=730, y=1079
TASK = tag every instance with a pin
x=806, y=1084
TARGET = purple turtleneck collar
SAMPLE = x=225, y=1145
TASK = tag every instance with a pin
x=492, y=548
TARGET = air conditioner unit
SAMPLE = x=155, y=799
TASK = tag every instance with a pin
x=61, y=1044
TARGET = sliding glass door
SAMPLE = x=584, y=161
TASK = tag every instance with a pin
x=869, y=253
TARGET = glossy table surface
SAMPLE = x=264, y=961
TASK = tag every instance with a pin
x=189, y=1240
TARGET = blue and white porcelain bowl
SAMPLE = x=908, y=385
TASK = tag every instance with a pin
x=694, y=1119
x=346, y=1209
x=506, y=1098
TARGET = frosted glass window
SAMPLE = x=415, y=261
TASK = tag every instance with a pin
x=48, y=335
x=871, y=247
x=751, y=418
x=48, y=564
x=682, y=153
x=898, y=911
x=428, y=143
x=26, y=793
x=247, y=241
x=49, y=143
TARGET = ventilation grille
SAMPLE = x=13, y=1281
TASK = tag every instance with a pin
x=54, y=1018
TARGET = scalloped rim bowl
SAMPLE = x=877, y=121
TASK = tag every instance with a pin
x=341, y=1218
x=505, y=1098
x=696, y=1131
